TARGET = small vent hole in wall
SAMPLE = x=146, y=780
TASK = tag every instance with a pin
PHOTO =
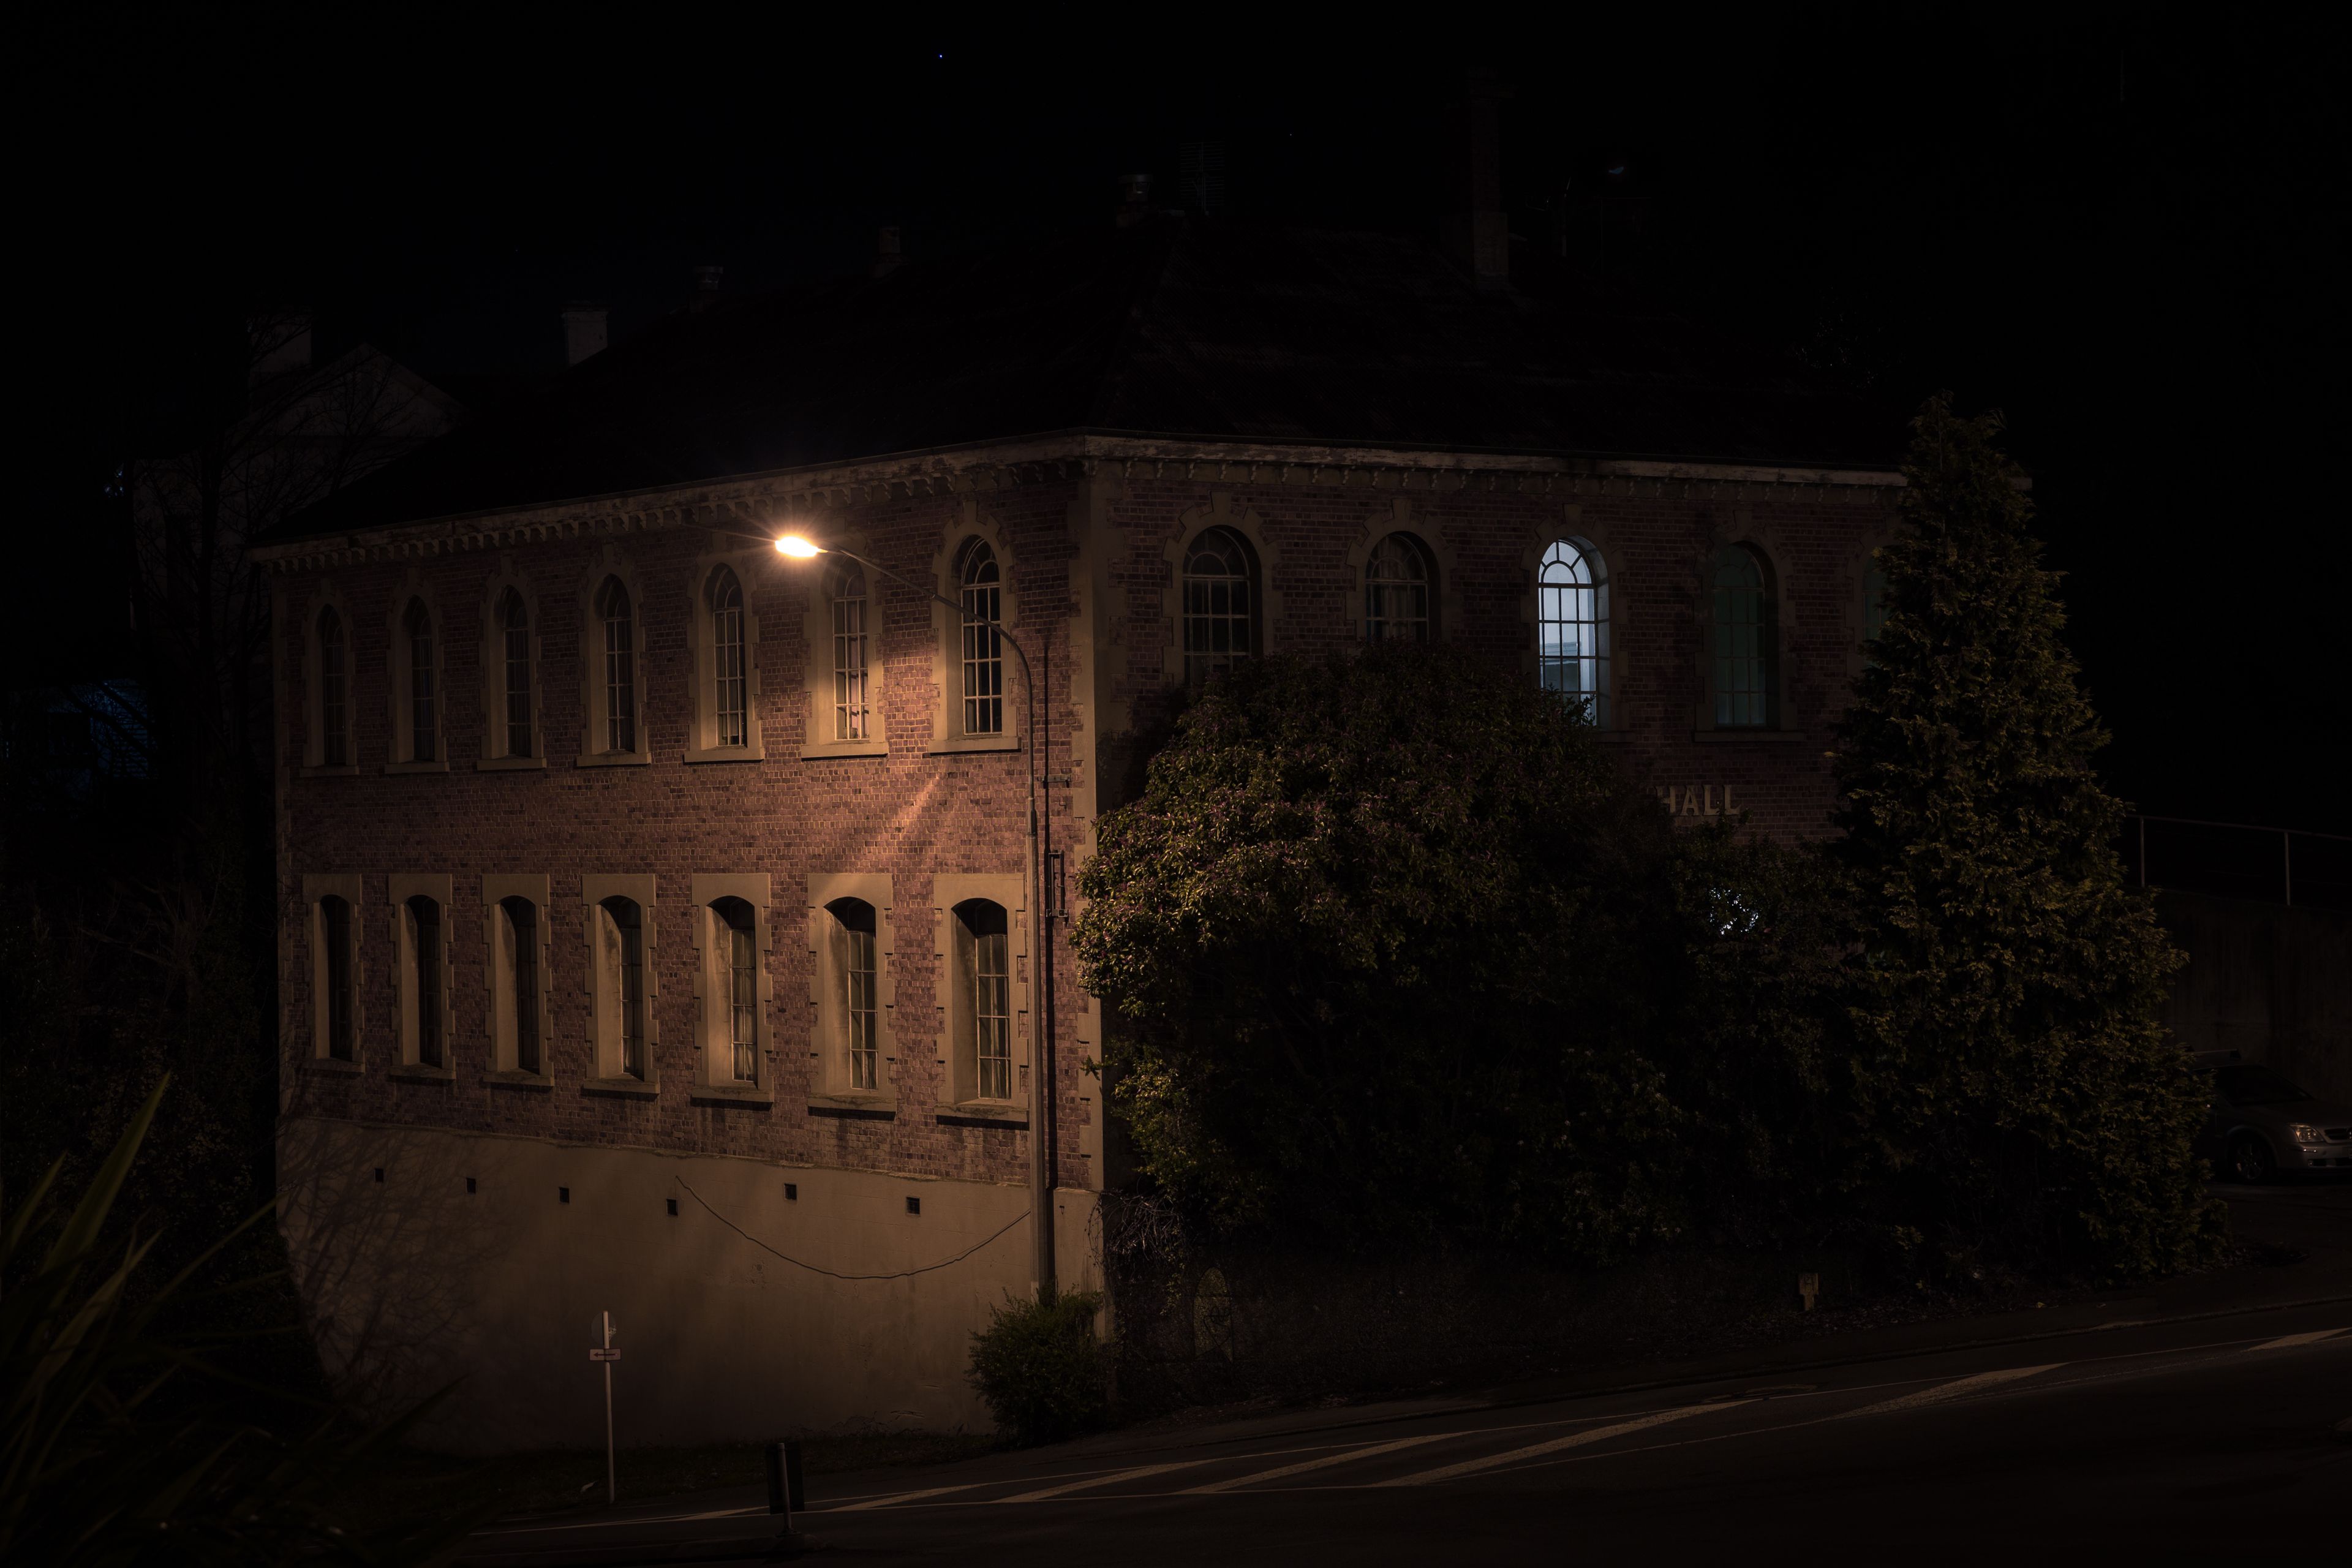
x=914, y=1206
x=379, y=1173
x=673, y=1206
x=792, y=1192
x=563, y=1194
x=470, y=1188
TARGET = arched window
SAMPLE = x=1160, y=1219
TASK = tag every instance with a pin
x=1745, y=637
x=735, y=988
x=730, y=686
x=1219, y=603
x=851, y=720
x=620, y=667
x=334, y=693
x=1397, y=579
x=621, y=958
x=417, y=629
x=335, y=975
x=517, y=984
x=514, y=630
x=855, y=989
x=423, y=921
x=983, y=999
x=1572, y=645
x=983, y=640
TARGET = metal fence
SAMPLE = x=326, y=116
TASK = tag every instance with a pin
x=2290, y=866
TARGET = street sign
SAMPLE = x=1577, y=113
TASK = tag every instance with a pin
x=604, y=1355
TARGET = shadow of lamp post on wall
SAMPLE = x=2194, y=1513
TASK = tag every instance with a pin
x=1044, y=905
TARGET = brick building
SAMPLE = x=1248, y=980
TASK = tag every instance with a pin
x=660, y=932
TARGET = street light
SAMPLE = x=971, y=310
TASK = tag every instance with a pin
x=1041, y=1140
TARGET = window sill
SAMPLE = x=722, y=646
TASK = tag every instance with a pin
x=1731, y=737
x=348, y=771
x=335, y=1066
x=730, y=1094
x=621, y=1088
x=750, y=753
x=976, y=743
x=509, y=765
x=821, y=749
x=416, y=767
x=983, y=1113
x=418, y=1072
x=612, y=759
x=515, y=1078
x=855, y=1107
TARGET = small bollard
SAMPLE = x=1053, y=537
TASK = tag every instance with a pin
x=1809, y=1285
x=779, y=1487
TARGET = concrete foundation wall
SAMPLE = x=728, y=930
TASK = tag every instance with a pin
x=412, y=1281
x=2271, y=983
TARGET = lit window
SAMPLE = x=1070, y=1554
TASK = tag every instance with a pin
x=730, y=693
x=1220, y=605
x=334, y=693
x=422, y=921
x=1744, y=642
x=983, y=641
x=514, y=625
x=335, y=975
x=855, y=989
x=735, y=986
x=517, y=984
x=621, y=959
x=1573, y=650
x=984, y=997
x=620, y=667
x=851, y=720
x=417, y=629
x=1396, y=590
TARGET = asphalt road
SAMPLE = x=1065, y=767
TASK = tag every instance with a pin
x=2220, y=1439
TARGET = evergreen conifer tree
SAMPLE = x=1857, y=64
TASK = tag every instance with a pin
x=2015, y=1099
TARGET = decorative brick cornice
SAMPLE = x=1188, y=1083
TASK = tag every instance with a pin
x=756, y=502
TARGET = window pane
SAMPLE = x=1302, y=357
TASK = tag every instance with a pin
x=849, y=715
x=421, y=727
x=730, y=703
x=992, y=996
x=1396, y=592
x=743, y=991
x=335, y=934
x=620, y=668
x=335, y=743
x=521, y=742
x=424, y=953
x=628, y=926
x=1219, y=607
x=983, y=640
x=1571, y=649
x=1743, y=643
x=522, y=926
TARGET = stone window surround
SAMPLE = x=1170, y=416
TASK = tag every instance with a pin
x=414, y=590
x=1008, y=889
x=495, y=757
x=711, y=1001
x=316, y=887
x=1446, y=594
x=1218, y=513
x=818, y=740
x=604, y=1074
x=609, y=563
x=1592, y=538
x=314, y=721
x=828, y=1053
x=702, y=658
x=947, y=649
x=400, y=889
x=496, y=887
x=1762, y=540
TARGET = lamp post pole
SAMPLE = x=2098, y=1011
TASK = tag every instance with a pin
x=1043, y=1147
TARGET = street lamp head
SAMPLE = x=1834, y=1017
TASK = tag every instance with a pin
x=799, y=549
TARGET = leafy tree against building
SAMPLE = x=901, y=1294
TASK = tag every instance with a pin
x=2009, y=1085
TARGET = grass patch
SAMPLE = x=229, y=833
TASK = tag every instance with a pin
x=416, y=1483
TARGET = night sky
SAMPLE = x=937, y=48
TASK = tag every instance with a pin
x=2126, y=232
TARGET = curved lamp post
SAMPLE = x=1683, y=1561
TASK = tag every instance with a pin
x=1042, y=1141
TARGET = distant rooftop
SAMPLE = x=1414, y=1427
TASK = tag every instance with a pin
x=1170, y=328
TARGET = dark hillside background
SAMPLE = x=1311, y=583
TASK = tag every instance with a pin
x=2123, y=227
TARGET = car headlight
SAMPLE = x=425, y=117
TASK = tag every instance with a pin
x=2307, y=1134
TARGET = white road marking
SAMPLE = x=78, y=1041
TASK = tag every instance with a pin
x=1953, y=1390
x=2289, y=1341
x=892, y=1499
x=1328, y=1460
x=1137, y=1474
x=1575, y=1439
x=631, y=1519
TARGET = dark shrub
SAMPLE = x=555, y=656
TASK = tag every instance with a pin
x=1040, y=1368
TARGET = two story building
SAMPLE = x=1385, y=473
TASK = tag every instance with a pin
x=663, y=932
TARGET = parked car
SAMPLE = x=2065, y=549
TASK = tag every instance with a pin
x=2263, y=1126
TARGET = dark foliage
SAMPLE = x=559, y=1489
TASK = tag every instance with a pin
x=1039, y=1368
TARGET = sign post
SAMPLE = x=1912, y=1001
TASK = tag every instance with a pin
x=608, y=1356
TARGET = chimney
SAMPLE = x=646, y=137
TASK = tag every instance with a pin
x=886, y=251
x=279, y=342
x=706, y=287
x=583, y=332
x=1477, y=230
x=1134, y=199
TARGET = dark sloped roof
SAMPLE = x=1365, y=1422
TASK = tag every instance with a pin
x=1168, y=328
